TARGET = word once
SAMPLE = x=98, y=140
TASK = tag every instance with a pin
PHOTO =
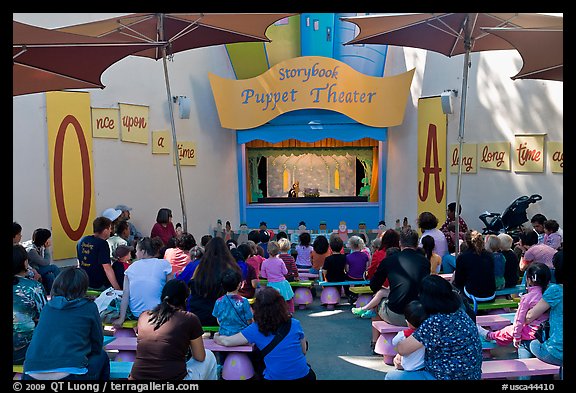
x=105, y=122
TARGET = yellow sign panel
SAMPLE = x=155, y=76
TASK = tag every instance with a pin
x=187, y=153
x=105, y=123
x=529, y=153
x=469, y=158
x=161, y=142
x=555, y=152
x=311, y=82
x=70, y=164
x=495, y=155
x=134, y=123
x=431, y=157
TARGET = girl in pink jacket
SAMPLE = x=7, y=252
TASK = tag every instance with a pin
x=537, y=279
x=274, y=270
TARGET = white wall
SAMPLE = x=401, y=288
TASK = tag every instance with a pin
x=497, y=108
x=127, y=173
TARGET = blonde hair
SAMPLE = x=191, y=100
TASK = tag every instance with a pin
x=356, y=243
x=505, y=241
x=273, y=248
x=284, y=245
x=492, y=243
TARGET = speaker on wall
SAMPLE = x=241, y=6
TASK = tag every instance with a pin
x=447, y=99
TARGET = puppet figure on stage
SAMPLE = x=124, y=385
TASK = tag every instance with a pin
x=293, y=193
x=362, y=229
x=381, y=228
x=322, y=229
x=343, y=231
x=243, y=233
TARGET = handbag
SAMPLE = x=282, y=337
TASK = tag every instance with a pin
x=106, y=298
x=543, y=332
x=108, y=303
x=257, y=356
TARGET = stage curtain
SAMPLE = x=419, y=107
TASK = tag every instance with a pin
x=374, y=182
x=362, y=153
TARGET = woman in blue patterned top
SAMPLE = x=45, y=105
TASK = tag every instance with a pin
x=28, y=299
x=551, y=350
x=453, y=347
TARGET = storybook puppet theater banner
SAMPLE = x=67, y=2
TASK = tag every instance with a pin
x=311, y=82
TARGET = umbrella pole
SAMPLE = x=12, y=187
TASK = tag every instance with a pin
x=173, y=125
x=467, y=46
x=175, y=144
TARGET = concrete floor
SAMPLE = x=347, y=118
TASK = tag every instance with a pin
x=339, y=343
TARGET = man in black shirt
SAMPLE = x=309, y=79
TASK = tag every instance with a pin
x=404, y=270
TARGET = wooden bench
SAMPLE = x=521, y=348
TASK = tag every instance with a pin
x=118, y=370
x=384, y=345
x=129, y=328
x=510, y=368
x=308, y=276
x=497, y=304
x=237, y=365
x=495, y=321
x=518, y=289
x=331, y=296
x=302, y=293
x=387, y=332
x=92, y=293
x=364, y=293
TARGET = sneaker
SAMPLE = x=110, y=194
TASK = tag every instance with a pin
x=358, y=311
x=482, y=332
x=368, y=314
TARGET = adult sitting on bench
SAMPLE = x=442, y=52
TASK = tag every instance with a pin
x=278, y=336
x=165, y=334
x=404, y=270
x=453, y=346
x=474, y=275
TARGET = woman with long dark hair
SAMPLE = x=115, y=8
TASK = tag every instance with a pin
x=206, y=283
x=165, y=336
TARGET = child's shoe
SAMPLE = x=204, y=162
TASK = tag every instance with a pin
x=357, y=311
x=368, y=314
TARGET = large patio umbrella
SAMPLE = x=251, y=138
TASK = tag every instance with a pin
x=178, y=32
x=450, y=34
x=46, y=60
x=542, y=51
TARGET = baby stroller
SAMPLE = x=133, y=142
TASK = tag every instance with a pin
x=511, y=220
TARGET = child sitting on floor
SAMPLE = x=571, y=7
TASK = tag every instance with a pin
x=537, y=279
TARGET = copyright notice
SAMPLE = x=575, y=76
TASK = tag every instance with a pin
x=101, y=387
